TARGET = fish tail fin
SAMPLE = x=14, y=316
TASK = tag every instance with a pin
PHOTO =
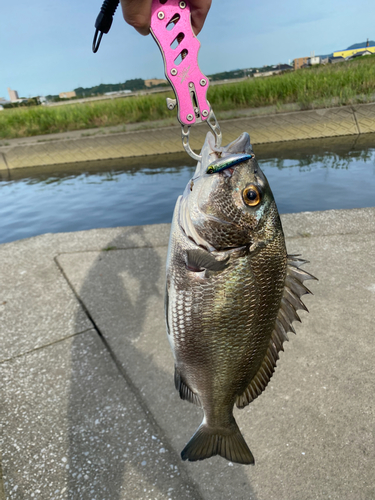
x=228, y=443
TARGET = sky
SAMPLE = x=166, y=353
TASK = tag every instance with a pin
x=45, y=47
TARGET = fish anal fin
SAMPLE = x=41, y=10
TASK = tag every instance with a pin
x=228, y=443
x=290, y=302
x=184, y=390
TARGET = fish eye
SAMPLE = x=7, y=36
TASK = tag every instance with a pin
x=251, y=195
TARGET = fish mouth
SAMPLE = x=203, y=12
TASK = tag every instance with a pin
x=210, y=153
x=228, y=172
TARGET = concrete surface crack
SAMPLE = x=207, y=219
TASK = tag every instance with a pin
x=110, y=249
x=355, y=140
x=356, y=121
x=45, y=345
x=8, y=170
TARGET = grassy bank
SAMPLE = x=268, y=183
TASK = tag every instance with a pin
x=26, y=122
x=342, y=83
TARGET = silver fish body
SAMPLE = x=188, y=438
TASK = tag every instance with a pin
x=231, y=296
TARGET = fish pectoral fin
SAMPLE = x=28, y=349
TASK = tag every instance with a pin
x=228, y=443
x=290, y=302
x=185, y=392
x=199, y=260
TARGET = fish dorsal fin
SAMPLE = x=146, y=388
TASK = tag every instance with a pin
x=184, y=390
x=290, y=302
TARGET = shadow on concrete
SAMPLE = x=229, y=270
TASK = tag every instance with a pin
x=129, y=317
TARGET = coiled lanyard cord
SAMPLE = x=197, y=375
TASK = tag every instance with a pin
x=103, y=22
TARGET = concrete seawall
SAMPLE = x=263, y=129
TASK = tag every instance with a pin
x=164, y=137
x=88, y=405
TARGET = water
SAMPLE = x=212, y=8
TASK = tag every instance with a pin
x=304, y=176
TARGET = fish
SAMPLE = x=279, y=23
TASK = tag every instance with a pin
x=225, y=162
x=232, y=294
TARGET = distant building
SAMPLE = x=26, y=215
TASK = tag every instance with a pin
x=275, y=70
x=333, y=60
x=116, y=92
x=313, y=60
x=304, y=62
x=299, y=62
x=154, y=81
x=352, y=52
x=1, y=107
x=361, y=53
x=13, y=95
x=265, y=73
x=67, y=95
x=283, y=67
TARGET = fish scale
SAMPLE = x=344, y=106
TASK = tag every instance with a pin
x=233, y=322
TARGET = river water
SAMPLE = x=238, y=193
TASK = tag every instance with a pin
x=304, y=176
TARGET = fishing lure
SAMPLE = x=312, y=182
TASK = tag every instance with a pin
x=227, y=162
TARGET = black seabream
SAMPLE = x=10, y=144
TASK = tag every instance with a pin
x=232, y=294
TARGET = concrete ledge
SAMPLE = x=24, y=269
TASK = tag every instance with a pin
x=88, y=404
x=263, y=128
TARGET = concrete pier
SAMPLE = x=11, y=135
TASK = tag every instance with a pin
x=88, y=406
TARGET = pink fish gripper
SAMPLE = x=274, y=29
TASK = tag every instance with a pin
x=172, y=30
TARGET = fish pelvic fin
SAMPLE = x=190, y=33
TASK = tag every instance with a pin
x=290, y=303
x=183, y=389
x=226, y=442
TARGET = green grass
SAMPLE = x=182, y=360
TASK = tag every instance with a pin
x=320, y=86
x=26, y=122
x=341, y=83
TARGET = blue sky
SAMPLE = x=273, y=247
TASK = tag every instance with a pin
x=45, y=47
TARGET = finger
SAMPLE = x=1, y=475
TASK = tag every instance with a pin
x=137, y=13
x=199, y=10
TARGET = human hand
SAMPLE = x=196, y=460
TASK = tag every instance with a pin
x=137, y=13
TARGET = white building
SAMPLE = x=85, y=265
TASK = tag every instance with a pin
x=314, y=60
